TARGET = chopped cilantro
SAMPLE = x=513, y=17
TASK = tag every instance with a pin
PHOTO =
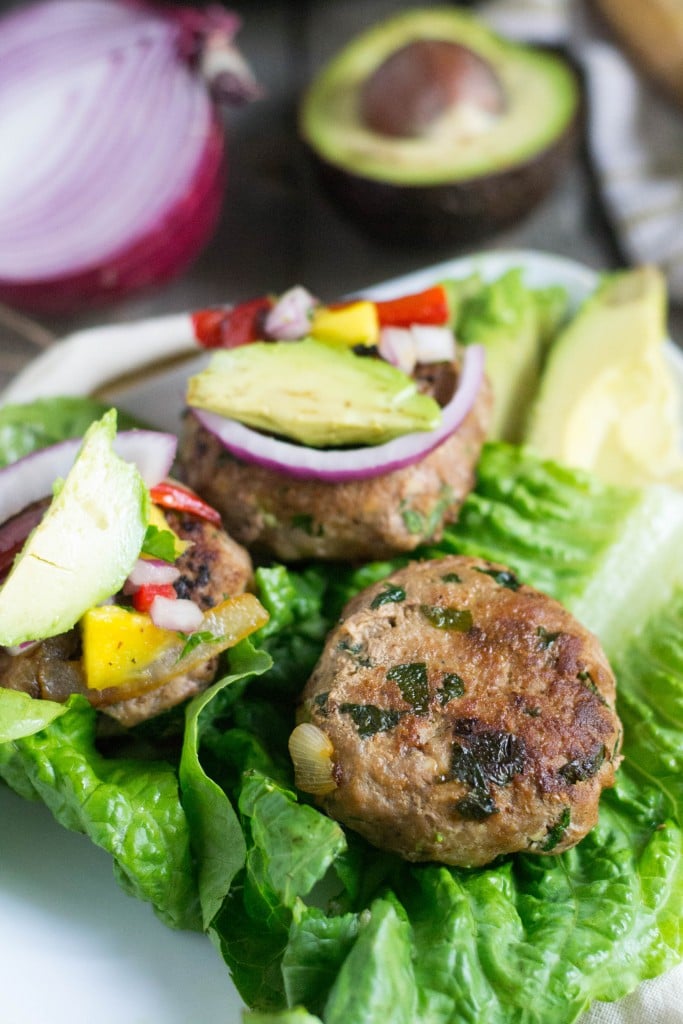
x=370, y=719
x=476, y=806
x=413, y=521
x=307, y=524
x=503, y=577
x=193, y=640
x=546, y=639
x=557, y=831
x=411, y=680
x=159, y=544
x=459, y=619
x=391, y=594
x=587, y=679
x=452, y=686
x=356, y=651
x=582, y=768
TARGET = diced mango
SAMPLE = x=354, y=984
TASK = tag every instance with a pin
x=354, y=324
x=117, y=643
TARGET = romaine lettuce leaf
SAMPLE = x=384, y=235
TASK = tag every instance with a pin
x=130, y=808
x=530, y=939
x=216, y=834
x=28, y=427
x=603, y=551
x=169, y=848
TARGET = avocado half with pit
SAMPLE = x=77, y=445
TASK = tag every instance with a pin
x=431, y=128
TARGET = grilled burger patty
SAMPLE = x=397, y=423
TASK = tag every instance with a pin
x=470, y=716
x=213, y=568
x=273, y=514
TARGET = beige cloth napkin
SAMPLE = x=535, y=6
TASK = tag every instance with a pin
x=635, y=137
x=635, y=140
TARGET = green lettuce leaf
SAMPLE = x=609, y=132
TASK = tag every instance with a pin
x=529, y=939
x=129, y=807
x=604, y=551
x=177, y=850
x=216, y=833
x=28, y=427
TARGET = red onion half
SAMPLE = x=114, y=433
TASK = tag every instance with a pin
x=112, y=165
x=341, y=464
x=30, y=479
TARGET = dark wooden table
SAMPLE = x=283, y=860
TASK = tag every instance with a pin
x=277, y=228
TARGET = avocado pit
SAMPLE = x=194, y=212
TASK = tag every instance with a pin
x=421, y=81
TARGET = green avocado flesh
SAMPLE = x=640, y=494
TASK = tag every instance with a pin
x=317, y=394
x=84, y=547
x=541, y=97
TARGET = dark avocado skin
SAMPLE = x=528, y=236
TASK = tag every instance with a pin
x=458, y=212
x=451, y=210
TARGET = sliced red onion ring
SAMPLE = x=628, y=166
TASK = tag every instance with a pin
x=339, y=465
x=31, y=478
x=181, y=615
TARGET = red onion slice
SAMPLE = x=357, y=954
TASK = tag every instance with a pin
x=31, y=478
x=14, y=532
x=150, y=570
x=114, y=179
x=181, y=615
x=397, y=346
x=339, y=465
x=290, y=317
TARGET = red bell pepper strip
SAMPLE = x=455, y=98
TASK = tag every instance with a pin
x=172, y=495
x=229, y=328
x=427, y=307
x=144, y=595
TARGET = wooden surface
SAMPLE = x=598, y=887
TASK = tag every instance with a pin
x=277, y=228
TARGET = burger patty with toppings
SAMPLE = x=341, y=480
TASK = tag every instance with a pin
x=212, y=568
x=376, y=517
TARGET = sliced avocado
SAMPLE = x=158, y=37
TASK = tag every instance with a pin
x=607, y=400
x=430, y=127
x=84, y=547
x=320, y=395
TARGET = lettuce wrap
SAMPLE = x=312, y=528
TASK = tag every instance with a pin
x=199, y=812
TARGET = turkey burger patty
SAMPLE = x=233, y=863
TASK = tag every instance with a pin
x=211, y=569
x=377, y=517
x=461, y=715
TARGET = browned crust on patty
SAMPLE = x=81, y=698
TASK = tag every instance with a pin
x=509, y=746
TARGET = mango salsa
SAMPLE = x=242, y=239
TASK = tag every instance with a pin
x=118, y=643
x=354, y=324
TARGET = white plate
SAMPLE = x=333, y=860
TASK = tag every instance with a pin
x=73, y=947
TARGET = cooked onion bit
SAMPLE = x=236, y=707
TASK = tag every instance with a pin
x=311, y=751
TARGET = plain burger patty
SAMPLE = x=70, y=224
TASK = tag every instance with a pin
x=213, y=568
x=469, y=716
x=273, y=514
